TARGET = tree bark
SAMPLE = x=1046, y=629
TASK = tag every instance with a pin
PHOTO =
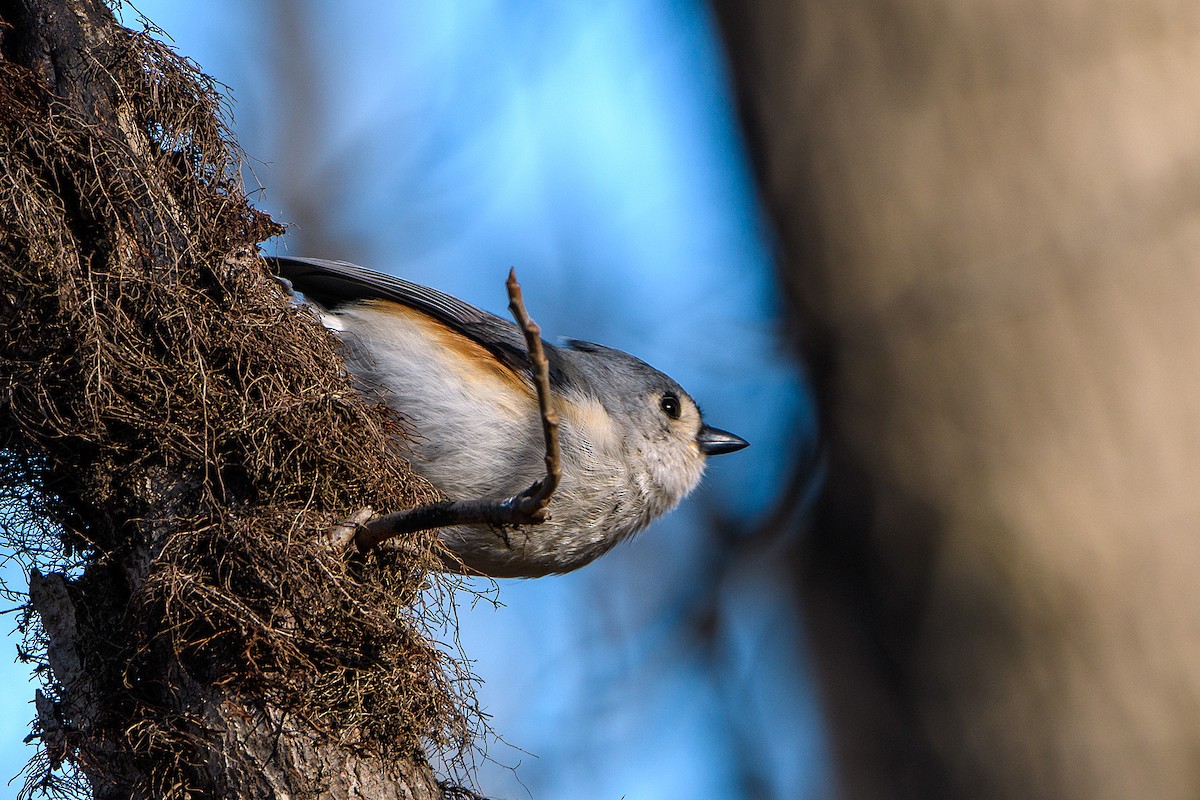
x=199, y=576
x=989, y=219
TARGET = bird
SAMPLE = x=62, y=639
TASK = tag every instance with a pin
x=633, y=442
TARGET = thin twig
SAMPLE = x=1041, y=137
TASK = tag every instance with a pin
x=526, y=508
x=533, y=501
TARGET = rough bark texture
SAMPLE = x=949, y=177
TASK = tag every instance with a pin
x=191, y=439
x=990, y=216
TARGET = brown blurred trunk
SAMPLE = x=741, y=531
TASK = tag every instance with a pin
x=989, y=217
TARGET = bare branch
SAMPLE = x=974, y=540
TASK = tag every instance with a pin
x=534, y=502
x=526, y=508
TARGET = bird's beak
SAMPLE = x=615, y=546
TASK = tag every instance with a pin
x=714, y=441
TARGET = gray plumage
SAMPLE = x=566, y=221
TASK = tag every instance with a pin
x=633, y=442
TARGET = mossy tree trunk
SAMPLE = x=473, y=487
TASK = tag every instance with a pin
x=177, y=440
x=990, y=214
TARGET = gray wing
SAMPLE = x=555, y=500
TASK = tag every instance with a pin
x=337, y=283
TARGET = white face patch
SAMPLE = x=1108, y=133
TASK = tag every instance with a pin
x=674, y=463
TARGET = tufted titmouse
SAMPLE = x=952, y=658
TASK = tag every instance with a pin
x=632, y=441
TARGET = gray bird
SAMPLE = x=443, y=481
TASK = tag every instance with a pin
x=633, y=442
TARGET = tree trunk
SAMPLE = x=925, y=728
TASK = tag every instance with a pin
x=989, y=215
x=181, y=440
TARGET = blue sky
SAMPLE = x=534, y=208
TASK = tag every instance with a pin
x=593, y=147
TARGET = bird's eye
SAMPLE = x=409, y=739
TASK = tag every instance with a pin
x=670, y=405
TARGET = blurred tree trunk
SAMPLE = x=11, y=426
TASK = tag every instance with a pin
x=188, y=728
x=990, y=223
